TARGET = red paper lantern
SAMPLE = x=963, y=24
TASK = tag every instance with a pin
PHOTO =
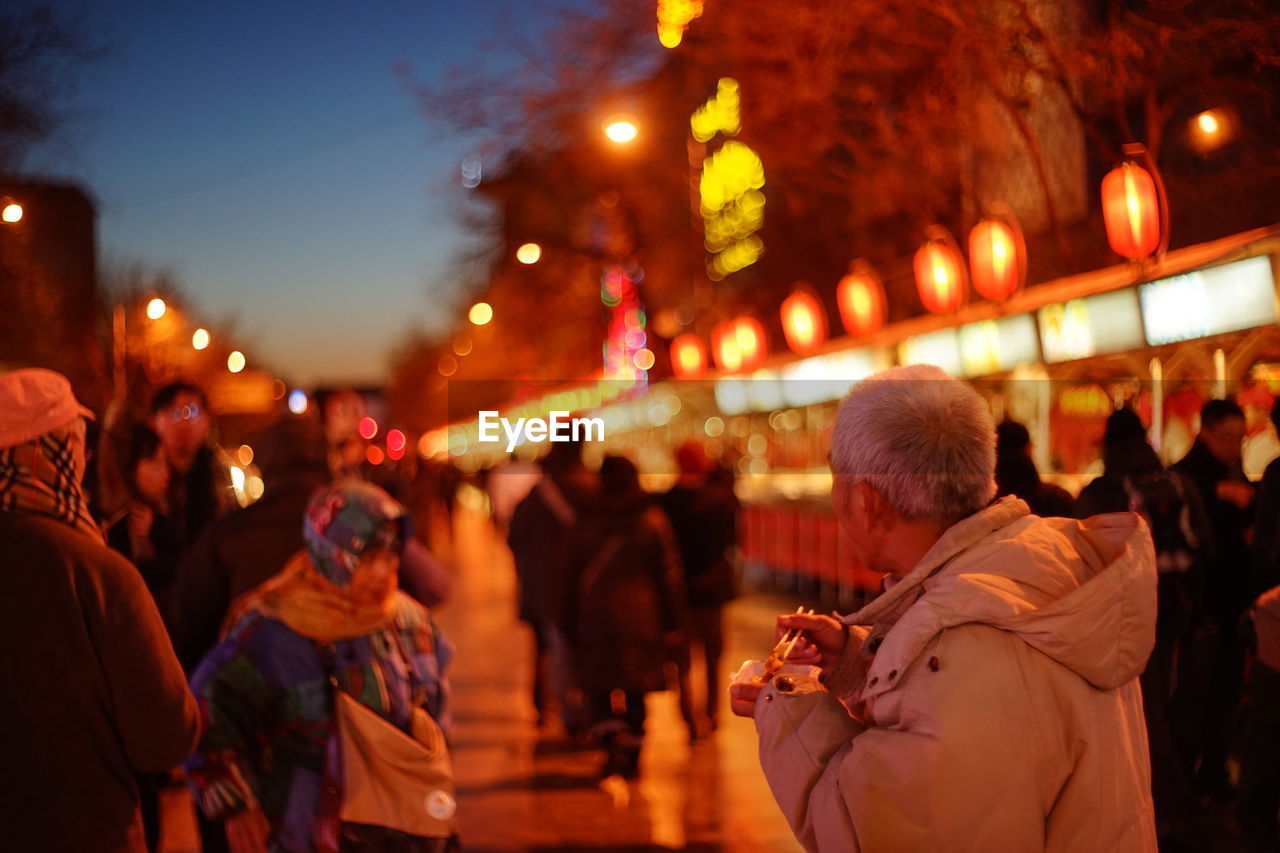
x=997, y=259
x=861, y=298
x=804, y=321
x=739, y=344
x=940, y=275
x=1131, y=210
x=688, y=356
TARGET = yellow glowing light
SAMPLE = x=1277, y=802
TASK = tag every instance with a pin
x=1208, y=122
x=673, y=17
x=12, y=213
x=235, y=361
x=643, y=359
x=621, y=131
x=480, y=313
x=245, y=455
x=720, y=114
x=156, y=308
x=237, y=478
x=940, y=274
x=529, y=253
x=200, y=338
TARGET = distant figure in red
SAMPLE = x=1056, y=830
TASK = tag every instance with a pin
x=703, y=512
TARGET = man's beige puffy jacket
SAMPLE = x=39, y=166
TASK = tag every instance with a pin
x=994, y=698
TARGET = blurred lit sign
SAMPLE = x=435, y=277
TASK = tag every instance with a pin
x=719, y=114
x=994, y=346
x=250, y=392
x=1095, y=325
x=1214, y=301
x=1085, y=401
x=729, y=188
x=941, y=348
x=825, y=377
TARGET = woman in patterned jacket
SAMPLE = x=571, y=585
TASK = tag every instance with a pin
x=263, y=690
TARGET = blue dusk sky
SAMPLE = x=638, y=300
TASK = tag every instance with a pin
x=270, y=156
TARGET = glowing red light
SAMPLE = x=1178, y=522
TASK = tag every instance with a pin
x=396, y=442
x=374, y=454
x=368, y=428
x=688, y=356
x=395, y=454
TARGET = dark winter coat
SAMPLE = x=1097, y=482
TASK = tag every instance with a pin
x=704, y=521
x=1228, y=580
x=539, y=536
x=92, y=691
x=624, y=567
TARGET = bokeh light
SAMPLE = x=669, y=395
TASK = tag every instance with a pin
x=235, y=361
x=480, y=313
x=448, y=365
x=462, y=345
x=245, y=455
x=374, y=454
x=396, y=440
x=12, y=213
x=621, y=131
x=529, y=253
x=298, y=401
x=367, y=428
x=156, y=308
x=200, y=338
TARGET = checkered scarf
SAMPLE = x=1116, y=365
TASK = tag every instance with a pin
x=43, y=476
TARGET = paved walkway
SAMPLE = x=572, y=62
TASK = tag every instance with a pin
x=522, y=792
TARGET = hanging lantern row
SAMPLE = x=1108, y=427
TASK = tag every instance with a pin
x=1134, y=209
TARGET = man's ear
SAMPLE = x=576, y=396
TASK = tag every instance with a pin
x=874, y=508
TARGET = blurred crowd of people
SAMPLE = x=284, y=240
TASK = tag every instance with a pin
x=1211, y=688
x=621, y=587
x=184, y=638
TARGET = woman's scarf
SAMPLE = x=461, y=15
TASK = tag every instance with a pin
x=311, y=595
x=312, y=606
x=42, y=476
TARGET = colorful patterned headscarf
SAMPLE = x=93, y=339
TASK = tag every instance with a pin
x=311, y=594
x=347, y=519
x=42, y=476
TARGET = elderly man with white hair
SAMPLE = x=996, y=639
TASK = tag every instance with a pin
x=988, y=699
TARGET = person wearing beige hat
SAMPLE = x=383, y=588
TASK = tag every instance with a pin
x=92, y=689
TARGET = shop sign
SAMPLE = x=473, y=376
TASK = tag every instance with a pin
x=1085, y=401
x=1214, y=301
x=994, y=346
x=825, y=377
x=940, y=348
x=1095, y=325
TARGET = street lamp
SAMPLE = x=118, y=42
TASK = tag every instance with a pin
x=620, y=130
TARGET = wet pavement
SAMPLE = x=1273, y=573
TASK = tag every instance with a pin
x=524, y=790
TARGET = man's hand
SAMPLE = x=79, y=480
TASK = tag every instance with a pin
x=247, y=832
x=822, y=640
x=742, y=697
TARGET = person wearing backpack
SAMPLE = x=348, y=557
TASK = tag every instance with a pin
x=1133, y=480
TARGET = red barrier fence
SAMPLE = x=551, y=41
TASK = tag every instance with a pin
x=804, y=541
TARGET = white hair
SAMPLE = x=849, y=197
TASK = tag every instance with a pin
x=925, y=441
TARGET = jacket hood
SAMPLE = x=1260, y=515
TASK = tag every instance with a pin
x=1081, y=592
